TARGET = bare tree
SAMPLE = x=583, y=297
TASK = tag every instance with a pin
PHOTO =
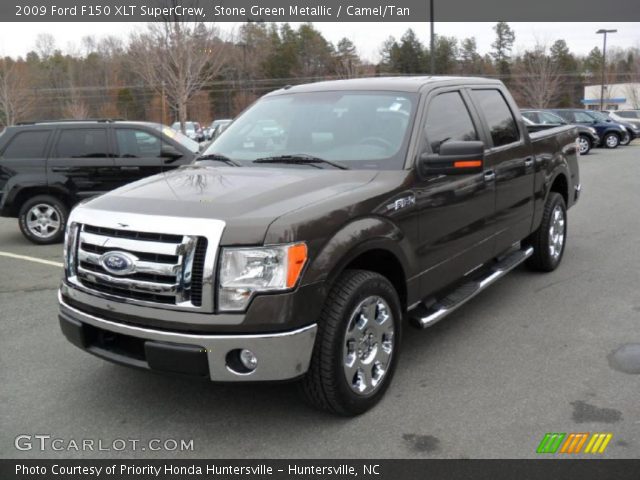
x=537, y=78
x=347, y=59
x=632, y=90
x=177, y=59
x=15, y=96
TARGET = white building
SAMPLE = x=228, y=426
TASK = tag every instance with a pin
x=617, y=96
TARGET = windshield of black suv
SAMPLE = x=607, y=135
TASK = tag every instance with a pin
x=357, y=129
x=550, y=118
x=601, y=117
x=179, y=137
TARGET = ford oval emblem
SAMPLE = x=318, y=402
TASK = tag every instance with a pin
x=118, y=263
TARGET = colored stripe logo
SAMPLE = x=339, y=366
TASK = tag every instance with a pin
x=574, y=442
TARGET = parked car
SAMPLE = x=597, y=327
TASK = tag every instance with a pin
x=625, y=115
x=542, y=119
x=611, y=134
x=219, y=126
x=629, y=116
x=47, y=167
x=632, y=126
x=298, y=255
x=193, y=130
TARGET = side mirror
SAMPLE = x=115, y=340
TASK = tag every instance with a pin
x=455, y=158
x=170, y=153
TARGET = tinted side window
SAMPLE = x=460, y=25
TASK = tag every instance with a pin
x=448, y=119
x=82, y=143
x=27, y=145
x=500, y=120
x=137, y=143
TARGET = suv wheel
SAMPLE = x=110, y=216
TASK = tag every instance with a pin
x=42, y=219
x=584, y=144
x=626, y=139
x=611, y=140
x=549, y=240
x=356, y=349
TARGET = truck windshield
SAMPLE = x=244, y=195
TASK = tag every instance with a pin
x=357, y=129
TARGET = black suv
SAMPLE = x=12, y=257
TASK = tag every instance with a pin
x=47, y=167
x=611, y=134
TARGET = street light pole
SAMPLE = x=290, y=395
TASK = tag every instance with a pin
x=433, y=40
x=604, y=63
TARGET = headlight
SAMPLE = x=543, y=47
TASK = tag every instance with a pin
x=247, y=271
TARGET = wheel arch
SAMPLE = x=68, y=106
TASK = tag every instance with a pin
x=560, y=184
x=25, y=193
x=374, y=244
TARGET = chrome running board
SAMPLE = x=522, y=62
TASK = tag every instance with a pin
x=425, y=316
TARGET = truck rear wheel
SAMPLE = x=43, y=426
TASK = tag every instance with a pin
x=549, y=240
x=356, y=349
x=43, y=219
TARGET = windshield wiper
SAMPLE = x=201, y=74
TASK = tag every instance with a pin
x=218, y=157
x=300, y=159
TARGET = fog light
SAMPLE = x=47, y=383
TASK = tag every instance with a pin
x=241, y=361
x=248, y=359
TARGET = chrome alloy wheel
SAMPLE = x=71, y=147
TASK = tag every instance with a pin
x=556, y=232
x=43, y=221
x=612, y=141
x=368, y=345
x=583, y=145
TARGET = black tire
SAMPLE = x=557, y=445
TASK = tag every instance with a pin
x=543, y=260
x=626, y=139
x=585, y=144
x=611, y=140
x=52, y=234
x=325, y=385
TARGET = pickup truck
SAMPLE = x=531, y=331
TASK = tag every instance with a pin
x=296, y=251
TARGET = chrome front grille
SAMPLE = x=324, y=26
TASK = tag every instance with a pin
x=167, y=269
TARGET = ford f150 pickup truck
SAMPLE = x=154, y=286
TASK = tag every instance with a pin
x=295, y=247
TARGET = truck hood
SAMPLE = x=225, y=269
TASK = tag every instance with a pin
x=248, y=200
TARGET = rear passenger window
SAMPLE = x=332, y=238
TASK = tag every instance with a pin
x=137, y=143
x=27, y=145
x=82, y=143
x=502, y=125
x=448, y=119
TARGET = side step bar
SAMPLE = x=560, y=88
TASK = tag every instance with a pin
x=423, y=316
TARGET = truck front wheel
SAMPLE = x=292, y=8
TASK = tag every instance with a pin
x=356, y=349
x=549, y=240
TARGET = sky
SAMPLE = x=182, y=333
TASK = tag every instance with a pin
x=16, y=39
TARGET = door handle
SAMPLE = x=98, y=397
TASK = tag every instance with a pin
x=489, y=176
x=528, y=162
x=60, y=169
x=130, y=169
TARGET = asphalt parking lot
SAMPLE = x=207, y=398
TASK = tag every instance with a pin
x=530, y=355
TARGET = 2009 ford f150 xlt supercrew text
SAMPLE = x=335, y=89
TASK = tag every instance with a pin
x=295, y=246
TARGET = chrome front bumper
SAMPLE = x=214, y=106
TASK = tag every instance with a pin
x=281, y=356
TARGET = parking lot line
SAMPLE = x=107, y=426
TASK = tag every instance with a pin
x=31, y=259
